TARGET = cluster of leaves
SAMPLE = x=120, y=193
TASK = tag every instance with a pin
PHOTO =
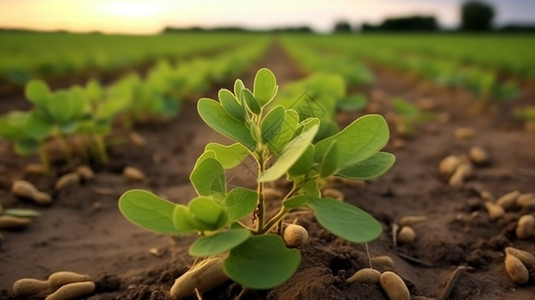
x=325, y=94
x=281, y=143
x=60, y=114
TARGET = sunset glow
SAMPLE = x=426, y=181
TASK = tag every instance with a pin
x=147, y=17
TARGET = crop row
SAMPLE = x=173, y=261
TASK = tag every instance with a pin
x=80, y=117
x=24, y=56
x=483, y=82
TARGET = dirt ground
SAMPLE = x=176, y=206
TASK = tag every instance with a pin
x=83, y=230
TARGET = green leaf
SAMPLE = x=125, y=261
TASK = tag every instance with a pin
x=372, y=167
x=286, y=132
x=77, y=100
x=231, y=105
x=265, y=86
x=206, y=214
x=272, y=124
x=262, y=262
x=219, y=242
x=352, y=103
x=345, y=221
x=296, y=201
x=26, y=146
x=239, y=203
x=208, y=177
x=38, y=127
x=182, y=219
x=149, y=212
x=358, y=141
x=59, y=107
x=229, y=156
x=238, y=87
x=290, y=154
x=251, y=101
x=311, y=188
x=94, y=90
x=217, y=118
x=20, y=212
x=304, y=163
x=329, y=162
x=37, y=92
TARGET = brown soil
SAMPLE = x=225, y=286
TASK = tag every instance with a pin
x=83, y=230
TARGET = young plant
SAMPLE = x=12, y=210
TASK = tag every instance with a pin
x=409, y=117
x=232, y=222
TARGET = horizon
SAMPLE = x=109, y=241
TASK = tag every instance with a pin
x=152, y=17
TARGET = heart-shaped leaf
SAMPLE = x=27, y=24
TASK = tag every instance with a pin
x=229, y=156
x=219, y=242
x=262, y=262
x=344, y=220
x=208, y=177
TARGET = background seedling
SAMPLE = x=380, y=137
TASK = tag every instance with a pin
x=281, y=143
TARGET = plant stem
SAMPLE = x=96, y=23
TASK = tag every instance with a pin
x=44, y=157
x=101, y=147
x=261, y=201
x=281, y=214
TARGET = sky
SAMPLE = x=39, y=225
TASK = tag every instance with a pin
x=147, y=17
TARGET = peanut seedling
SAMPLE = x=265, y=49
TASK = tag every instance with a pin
x=281, y=143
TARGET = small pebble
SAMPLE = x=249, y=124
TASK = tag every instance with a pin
x=448, y=165
x=35, y=169
x=85, y=172
x=406, y=235
x=383, y=263
x=412, y=220
x=508, y=200
x=137, y=139
x=366, y=275
x=516, y=270
x=394, y=287
x=67, y=180
x=479, y=156
x=464, y=133
x=525, y=228
x=133, y=174
x=495, y=211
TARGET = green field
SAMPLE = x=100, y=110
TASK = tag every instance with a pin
x=29, y=55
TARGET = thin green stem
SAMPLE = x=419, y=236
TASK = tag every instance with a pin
x=261, y=201
x=101, y=147
x=44, y=157
x=281, y=214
